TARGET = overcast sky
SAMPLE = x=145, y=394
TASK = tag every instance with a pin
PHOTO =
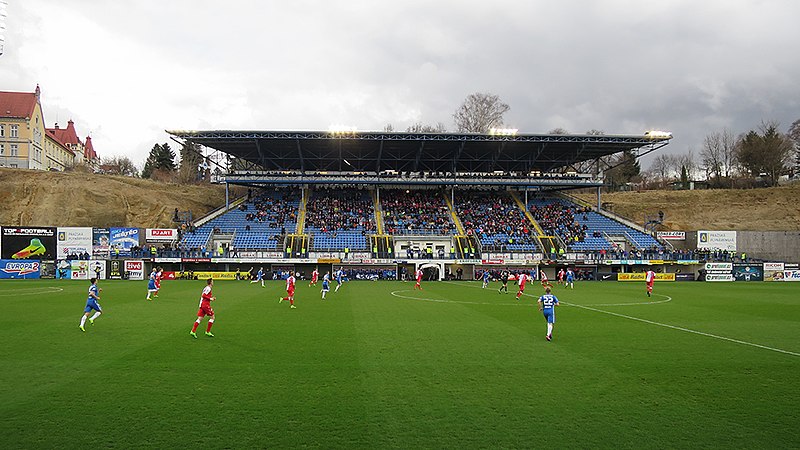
x=126, y=71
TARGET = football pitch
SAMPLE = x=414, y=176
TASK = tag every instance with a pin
x=379, y=365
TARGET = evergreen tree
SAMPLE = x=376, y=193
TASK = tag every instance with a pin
x=161, y=158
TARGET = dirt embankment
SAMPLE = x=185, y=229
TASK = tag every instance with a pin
x=768, y=209
x=38, y=198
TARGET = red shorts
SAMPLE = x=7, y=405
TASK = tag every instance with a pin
x=522, y=288
x=205, y=310
x=290, y=292
x=650, y=284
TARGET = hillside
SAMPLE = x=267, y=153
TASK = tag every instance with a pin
x=768, y=209
x=38, y=198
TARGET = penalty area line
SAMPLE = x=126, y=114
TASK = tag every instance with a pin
x=687, y=330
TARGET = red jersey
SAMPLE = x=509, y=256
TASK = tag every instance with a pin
x=314, y=275
x=523, y=278
x=561, y=274
x=650, y=276
x=419, y=275
x=542, y=276
x=290, y=283
x=205, y=298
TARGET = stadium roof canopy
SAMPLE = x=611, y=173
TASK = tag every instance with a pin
x=314, y=152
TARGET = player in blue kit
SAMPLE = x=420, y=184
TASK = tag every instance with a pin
x=259, y=277
x=485, y=279
x=339, y=279
x=570, y=279
x=547, y=305
x=151, y=284
x=91, y=304
x=326, y=284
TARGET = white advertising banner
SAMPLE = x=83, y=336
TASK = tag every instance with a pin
x=773, y=267
x=789, y=275
x=671, y=235
x=73, y=241
x=79, y=270
x=713, y=240
x=134, y=269
x=719, y=267
x=97, y=269
x=161, y=234
x=719, y=277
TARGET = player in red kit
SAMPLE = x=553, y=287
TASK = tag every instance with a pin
x=522, y=279
x=543, y=278
x=205, y=310
x=314, y=278
x=159, y=275
x=289, y=290
x=561, y=274
x=649, y=278
x=419, y=274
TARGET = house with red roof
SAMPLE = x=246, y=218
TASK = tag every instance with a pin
x=26, y=143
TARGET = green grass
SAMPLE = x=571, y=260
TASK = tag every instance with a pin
x=465, y=368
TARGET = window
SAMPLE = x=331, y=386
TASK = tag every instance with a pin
x=14, y=131
x=2, y=149
x=13, y=149
x=2, y=131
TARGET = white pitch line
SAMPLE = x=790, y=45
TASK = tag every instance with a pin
x=26, y=291
x=737, y=341
x=687, y=330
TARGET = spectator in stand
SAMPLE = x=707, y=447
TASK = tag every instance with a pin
x=415, y=212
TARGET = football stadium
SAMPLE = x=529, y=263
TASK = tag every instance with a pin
x=400, y=290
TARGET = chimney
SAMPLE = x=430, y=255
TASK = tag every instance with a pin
x=38, y=92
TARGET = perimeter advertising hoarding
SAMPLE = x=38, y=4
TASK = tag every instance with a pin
x=712, y=240
x=74, y=241
x=101, y=242
x=671, y=235
x=640, y=276
x=748, y=272
x=134, y=269
x=123, y=239
x=28, y=243
x=773, y=271
x=15, y=269
x=115, y=269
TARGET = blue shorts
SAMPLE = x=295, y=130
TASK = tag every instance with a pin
x=92, y=305
x=151, y=285
x=550, y=315
x=569, y=280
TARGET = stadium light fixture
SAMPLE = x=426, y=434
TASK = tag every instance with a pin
x=503, y=131
x=653, y=134
x=338, y=130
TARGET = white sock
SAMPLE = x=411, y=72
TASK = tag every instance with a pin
x=95, y=316
x=83, y=319
x=549, y=329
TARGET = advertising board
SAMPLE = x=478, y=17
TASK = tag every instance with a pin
x=15, y=269
x=74, y=241
x=711, y=240
x=31, y=243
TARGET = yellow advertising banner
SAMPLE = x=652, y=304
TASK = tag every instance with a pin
x=328, y=260
x=639, y=276
x=215, y=275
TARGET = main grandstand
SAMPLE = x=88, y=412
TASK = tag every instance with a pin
x=385, y=196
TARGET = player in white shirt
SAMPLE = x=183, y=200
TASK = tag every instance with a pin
x=649, y=278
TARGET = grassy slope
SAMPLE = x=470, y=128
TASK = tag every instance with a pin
x=369, y=369
x=719, y=209
x=38, y=198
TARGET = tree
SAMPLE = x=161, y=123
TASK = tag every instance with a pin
x=161, y=158
x=662, y=168
x=594, y=132
x=766, y=151
x=120, y=165
x=718, y=155
x=419, y=127
x=794, y=135
x=479, y=113
x=388, y=128
x=625, y=169
x=191, y=156
x=558, y=130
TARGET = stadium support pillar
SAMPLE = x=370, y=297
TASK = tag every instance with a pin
x=227, y=198
x=598, y=198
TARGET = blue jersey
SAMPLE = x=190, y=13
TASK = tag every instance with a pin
x=570, y=276
x=549, y=301
x=91, y=302
x=339, y=275
x=326, y=283
x=485, y=276
x=260, y=274
x=151, y=283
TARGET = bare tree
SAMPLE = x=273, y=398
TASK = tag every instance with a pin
x=420, y=127
x=794, y=135
x=388, y=128
x=479, y=113
x=120, y=165
x=558, y=130
x=718, y=155
x=594, y=132
x=662, y=169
